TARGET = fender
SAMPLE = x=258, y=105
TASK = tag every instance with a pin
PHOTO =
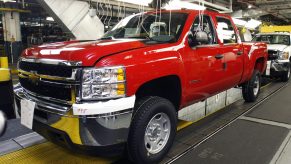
x=252, y=53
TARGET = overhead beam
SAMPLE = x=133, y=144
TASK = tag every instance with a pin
x=276, y=7
x=271, y=2
x=120, y=3
x=14, y=10
x=212, y=5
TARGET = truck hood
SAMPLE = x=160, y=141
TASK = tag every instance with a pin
x=87, y=52
x=277, y=47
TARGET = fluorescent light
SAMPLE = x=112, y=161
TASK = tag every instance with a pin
x=139, y=2
x=50, y=19
x=8, y=1
x=177, y=4
x=252, y=24
x=239, y=22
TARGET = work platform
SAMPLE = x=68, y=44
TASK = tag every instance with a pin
x=239, y=133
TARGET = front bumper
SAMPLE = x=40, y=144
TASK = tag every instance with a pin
x=102, y=134
x=276, y=68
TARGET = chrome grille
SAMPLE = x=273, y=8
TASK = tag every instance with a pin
x=272, y=54
x=52, y=79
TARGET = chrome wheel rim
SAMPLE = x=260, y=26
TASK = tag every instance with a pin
x=157, y=133
x=2, y=122
x=256, y=86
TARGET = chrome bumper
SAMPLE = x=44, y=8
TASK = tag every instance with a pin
x=280, y=65
x=87, y=130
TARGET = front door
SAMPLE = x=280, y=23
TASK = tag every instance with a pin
x=204, y=63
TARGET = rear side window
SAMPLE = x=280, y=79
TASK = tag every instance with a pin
x=225, y=30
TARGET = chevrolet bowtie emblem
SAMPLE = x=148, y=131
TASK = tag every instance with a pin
x=34, y=78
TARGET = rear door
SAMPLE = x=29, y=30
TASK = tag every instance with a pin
x=232, y=51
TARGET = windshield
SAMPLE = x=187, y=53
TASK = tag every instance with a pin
x=273, y=39
x=164, y=27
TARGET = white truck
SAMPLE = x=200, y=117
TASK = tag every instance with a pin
x=279, y=50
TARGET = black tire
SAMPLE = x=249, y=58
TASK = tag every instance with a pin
x=248, y=88
x=286, y=75
x=145, y=110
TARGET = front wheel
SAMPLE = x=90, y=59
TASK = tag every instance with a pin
x=251, y=89
x=152, y=130
x=286, y=75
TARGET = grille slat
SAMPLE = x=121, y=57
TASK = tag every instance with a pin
x=46, y=69
x=41, y=88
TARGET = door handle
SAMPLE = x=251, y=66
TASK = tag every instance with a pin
x=239, y=52
x=219, y=56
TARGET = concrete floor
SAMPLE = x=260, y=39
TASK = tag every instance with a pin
x=260, y=136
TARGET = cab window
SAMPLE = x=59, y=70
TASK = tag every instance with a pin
x=273, y=39
x=225, y=30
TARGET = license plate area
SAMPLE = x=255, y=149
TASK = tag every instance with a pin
x=27, y=113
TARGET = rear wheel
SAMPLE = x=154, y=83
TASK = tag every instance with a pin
x=251, y=89
x=152, y=131
x=286, y=75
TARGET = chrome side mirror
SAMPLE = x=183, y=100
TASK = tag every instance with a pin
x=201, y=37
x=2, y=123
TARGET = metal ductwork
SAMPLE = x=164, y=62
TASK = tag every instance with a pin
x=73, y=16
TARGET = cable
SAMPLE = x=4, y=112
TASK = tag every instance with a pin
x=106, y=12
x=160, y=17
x=101, y=6
x=118, y=11
x=124, y=10
x=170, y=21
x=111, y=14
x=156, y=11
x=97, y=8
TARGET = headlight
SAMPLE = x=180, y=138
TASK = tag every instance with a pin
x=103, y=83
x=283, y=55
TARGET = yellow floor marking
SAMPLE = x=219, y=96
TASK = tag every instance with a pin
x=266, y=85
x=183, y=124
x=50, y=153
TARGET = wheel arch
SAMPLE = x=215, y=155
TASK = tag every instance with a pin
x=260, y=65
x=168, y=87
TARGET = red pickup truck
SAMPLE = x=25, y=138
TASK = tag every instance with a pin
x=124, y=90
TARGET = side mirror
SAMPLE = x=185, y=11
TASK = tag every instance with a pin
x=2, y=123
x=201, y=37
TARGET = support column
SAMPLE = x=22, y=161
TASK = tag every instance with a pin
x=12, y=35
x=6, y=88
